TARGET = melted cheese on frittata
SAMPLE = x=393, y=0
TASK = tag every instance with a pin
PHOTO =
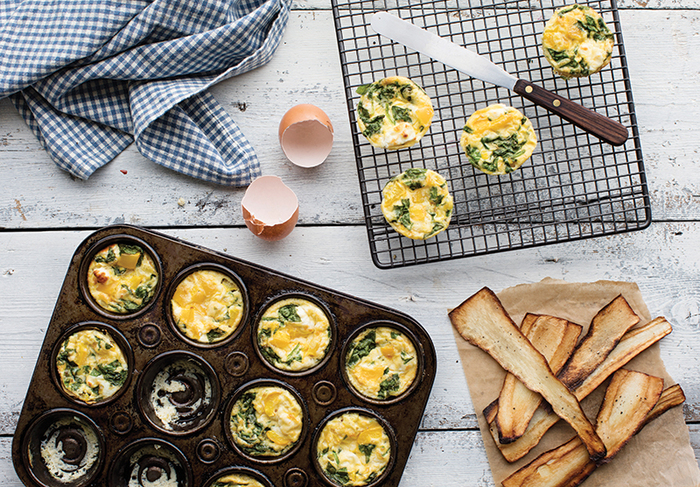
x=498, y=139
x=381, y=363
x=122, y=278
x=207, y=306
x=294, y=334
x=91, y=366
x=266, y=421
x=577, y=42
x=417, y=203
x=393, y=112
x=353, y=449
x=237, y=480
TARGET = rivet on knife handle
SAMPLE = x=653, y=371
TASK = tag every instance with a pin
x=599, y=125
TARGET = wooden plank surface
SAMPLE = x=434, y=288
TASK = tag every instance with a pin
x=45, y=214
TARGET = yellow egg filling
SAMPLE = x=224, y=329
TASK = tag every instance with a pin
x=498, y=139
x=353, y=449
x=577, y=42
x=417, y=203
x=207, y=306
x=393, y=112
x=381, y=363
x=266, y=421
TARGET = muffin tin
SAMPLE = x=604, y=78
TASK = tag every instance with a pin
x=123, y=436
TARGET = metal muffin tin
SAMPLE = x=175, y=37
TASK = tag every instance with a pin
x=123, y=424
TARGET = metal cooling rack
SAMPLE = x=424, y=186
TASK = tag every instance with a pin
x=573, y=187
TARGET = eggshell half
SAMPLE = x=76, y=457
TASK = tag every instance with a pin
x=270, y=208
x=306, y=135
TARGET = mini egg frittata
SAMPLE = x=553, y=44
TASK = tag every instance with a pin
x=294, y=334
x=266, y=421
x=381, y=363
x=498, y=139
x=353, y=449
x=236, y=480
x=91, y=367
x=122, y=278
x=577, y=42
x=207, y=306
x=393, y=112
x=417, y=203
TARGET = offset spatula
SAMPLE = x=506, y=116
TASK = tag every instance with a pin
x=482, y=68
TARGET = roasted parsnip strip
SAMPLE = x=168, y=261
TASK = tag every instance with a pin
x=619, y=419
x=606, y=329
x=555, y=338
x=632, y=343
x=483, y=322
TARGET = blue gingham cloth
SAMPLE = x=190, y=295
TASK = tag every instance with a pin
x=92, y=76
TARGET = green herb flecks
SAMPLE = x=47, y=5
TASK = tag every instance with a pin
x=362, y=348
x=367, y=450
x=401, y=114
x=402, y=213
x=372, y=125
x=339, y=475
x=389, y=386
x=289, y=313
x=414, y=178
x=595, y=28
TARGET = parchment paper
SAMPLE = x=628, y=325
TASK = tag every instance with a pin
x=659, y=455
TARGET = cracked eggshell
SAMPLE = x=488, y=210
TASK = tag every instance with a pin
x=306, y=135
x=270, y=208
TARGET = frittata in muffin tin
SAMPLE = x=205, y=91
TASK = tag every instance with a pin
x=122, y=278
x=294, y=334
x=91, y=366
x=498, y=139
x=577, y=42
x=381, y=363
x=207, y=306
x=417, y=203
x=393, y=112
x=266, y=421
x=353, y=449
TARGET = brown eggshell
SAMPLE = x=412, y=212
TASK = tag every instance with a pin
x=270, y=208
x=306, y=135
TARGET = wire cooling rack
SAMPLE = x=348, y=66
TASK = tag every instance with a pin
x=573, y=187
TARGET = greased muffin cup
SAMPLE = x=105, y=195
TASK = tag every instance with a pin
x=169, y=421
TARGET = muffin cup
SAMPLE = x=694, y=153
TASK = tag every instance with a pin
x=152, y=458
x=239, y=470
x=363, y=412
x=189, y=400
x=329, y=350
x=90, y=255
x=117, y=336
x=210, y=266
x=226, y=419
x=419, y=357
x=79, y=438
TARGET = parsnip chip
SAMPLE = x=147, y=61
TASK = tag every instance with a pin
x=632, y=343
x=605, y=331
x=630, y=402
x=555, y=338
x=483, y=322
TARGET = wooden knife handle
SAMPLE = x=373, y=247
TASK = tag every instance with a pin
x=592, y=122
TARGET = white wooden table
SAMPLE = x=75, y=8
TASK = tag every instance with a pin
x=44, y=214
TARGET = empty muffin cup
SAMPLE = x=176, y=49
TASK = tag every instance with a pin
x=91, y=363
x=265, y=420
x=354, y=447
x=178, y=393
x=208, y=305
x=120, y=276
x=381, y=362
x=294, y=334
x=63, y=448
x=150, y=462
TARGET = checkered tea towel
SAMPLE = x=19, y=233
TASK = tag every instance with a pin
x=92, y=76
